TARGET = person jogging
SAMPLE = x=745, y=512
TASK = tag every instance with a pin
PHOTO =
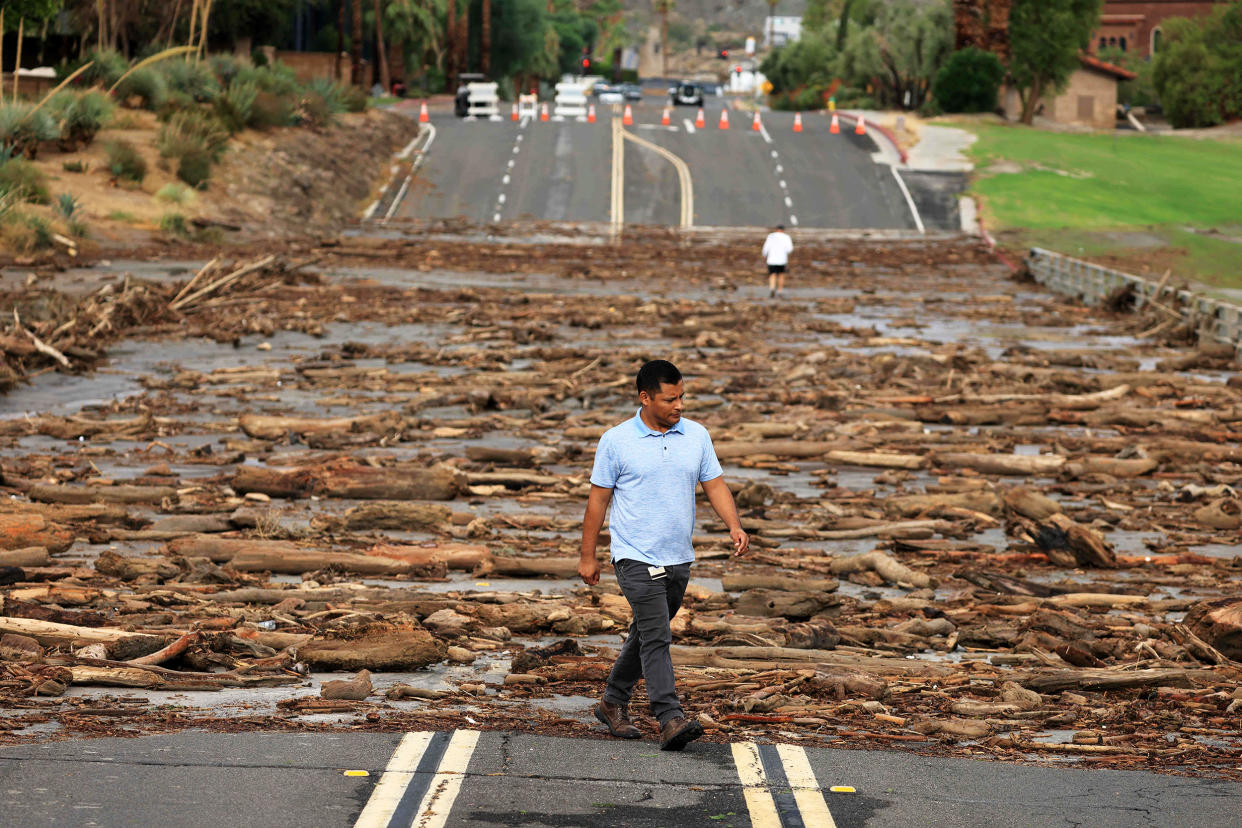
x=776, y=249
x=648, y=468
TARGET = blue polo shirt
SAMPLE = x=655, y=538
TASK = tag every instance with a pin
x=653, y=476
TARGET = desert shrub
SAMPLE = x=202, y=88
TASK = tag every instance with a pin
x=69, y=209
x=106, y=68
x=355, y=99
x=316, y=111
x=146, y=83
x=124, y=161
x=192, y=128
x=331, y=92
x=79, y=116
x=22, y=128
x=277, y=79
x=25, y=233
x=225, y=67
x=194, y=167
x=192, y=78
x=67, y=206
x=969, y=81
x=174, y=223
x=24, y=181
x=270, y=110
x=175, y=193
x=234, y=106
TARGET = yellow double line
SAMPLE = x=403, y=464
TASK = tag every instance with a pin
x=686, y=218
x=421, y=781
x=800, y=781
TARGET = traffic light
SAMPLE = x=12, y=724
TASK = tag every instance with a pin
x=737, y=70
x=586, y=65
x=724, y=54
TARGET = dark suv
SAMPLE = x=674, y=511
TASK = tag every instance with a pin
x=686, y=93
x=461, y=103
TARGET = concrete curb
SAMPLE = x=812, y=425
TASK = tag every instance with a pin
x=1222, y=321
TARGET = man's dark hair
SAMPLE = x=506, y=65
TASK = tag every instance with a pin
x=780, y=227
x=655, y=372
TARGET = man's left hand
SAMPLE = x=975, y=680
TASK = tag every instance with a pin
x=741, y=542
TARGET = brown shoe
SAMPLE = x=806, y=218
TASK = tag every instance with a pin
x=617, y=717
x=678, y=732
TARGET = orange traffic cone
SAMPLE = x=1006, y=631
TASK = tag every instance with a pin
x=836, y=125
x=724, y=119
x=591, y=114
x=754, y=125
x=628, y=118
x=699, y=121
x=515, y=115
x=797, y=122
x=861, y=129
x=666, y=119
x=543, y=113
x=424, y=117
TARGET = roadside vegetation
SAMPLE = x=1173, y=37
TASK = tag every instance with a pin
x=188, y=108
x=1146, y=201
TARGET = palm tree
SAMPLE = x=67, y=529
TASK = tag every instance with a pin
x=355, y=47
x=663, y=7
x=381, y=53
x=485, y=47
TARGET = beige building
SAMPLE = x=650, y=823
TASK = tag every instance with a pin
x=1089, y=100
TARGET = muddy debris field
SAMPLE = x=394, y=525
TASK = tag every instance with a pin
x=341, y=486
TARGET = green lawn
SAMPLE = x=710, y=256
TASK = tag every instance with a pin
x=1122, y=195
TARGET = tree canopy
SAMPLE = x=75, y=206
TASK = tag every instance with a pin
x=1198, y=72
x=1046, y=37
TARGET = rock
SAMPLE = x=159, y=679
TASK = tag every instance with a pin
x=354, y=689
x=447, y=622
x=461, y=655
x=1016, y=694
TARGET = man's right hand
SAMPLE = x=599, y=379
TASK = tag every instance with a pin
x=588, y=568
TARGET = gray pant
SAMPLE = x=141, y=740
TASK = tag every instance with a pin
x=645, y=653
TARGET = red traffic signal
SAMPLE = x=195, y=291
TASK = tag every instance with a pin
x=724, y=54
x=586, y=63
x=737, y=70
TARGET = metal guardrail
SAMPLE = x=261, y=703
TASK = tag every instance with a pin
x=1214, y=318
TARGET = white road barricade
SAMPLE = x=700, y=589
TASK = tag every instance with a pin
x=482, y=101
x=528, y=106
x=571, y=102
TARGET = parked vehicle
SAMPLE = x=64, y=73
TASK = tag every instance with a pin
x=631, y=92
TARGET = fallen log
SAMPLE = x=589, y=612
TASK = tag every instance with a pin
x=741, y=583
x=30, y=556
x=1103, y=680
x=22, y=531
x=298, y=560
x=1001, y=464
x=777, y=604
x=890, y=570
x=130, y=568
x=49, y=493
x=170, y=652
x=1069, y=543
x=877, y=459
x=733, y=449
x=1218, y=622
x=461, y=557
x=115, y=676
x=534, y=567
x=380, y=647
x=397, y=515
x=52, y=634
x=986, y=502
x=268, y=427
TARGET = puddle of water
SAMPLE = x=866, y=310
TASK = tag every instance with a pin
x=1217, y=550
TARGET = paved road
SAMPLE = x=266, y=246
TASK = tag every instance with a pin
x=563, y=171
x=466, y=778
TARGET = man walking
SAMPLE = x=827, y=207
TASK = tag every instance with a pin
x=776, y=249
x=648, y=468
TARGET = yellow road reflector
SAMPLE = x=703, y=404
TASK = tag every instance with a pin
x=482, y=583
x=357, y=773
x=842, y=789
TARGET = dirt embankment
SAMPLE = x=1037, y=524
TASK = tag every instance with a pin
x=278, y=183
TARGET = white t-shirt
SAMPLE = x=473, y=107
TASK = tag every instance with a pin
x=777, y=247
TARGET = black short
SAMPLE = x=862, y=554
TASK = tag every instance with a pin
x=774, y=269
